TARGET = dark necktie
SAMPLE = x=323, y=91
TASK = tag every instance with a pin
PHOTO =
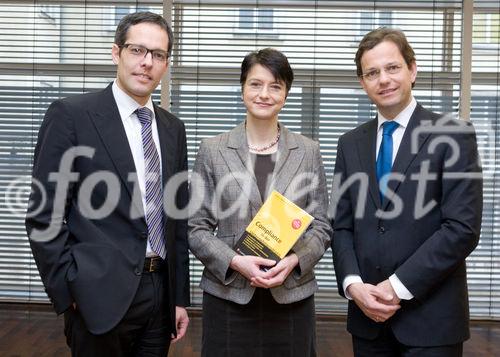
x=384, y=159
x=154, y=191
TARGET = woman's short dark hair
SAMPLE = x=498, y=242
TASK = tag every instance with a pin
x=275, y=61
x=382, y=34
x=140, y=17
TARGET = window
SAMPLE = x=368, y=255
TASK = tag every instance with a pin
x=320, y=41
x=256, y=20
x=246, y=21
x=40, y=62
x=50, y=12
x=370, y=20
x=120, y=12
x=485, y=114
x=116, y=13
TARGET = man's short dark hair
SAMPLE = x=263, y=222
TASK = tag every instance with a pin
x=274, y=60
x=380, y=35
x=140, y=17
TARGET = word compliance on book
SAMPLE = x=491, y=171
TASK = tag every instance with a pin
x=275, y=228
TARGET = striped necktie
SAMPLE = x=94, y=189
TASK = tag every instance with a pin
x=384, y=159
x=154, y=191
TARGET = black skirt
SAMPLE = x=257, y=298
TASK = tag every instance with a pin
x=260, y=328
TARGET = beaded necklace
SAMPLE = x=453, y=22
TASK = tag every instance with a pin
x=268, y=146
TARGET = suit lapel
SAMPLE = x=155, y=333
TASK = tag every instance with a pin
x=367, y=147
x=237, y=158
x=291, y=153
x=167, y=141
x=410, y=146
x=109, y=126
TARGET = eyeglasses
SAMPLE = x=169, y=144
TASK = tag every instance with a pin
x=375, y=73
x=139, y=51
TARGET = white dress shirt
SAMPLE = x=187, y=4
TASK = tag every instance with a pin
x=127, y=106
x=402, y=119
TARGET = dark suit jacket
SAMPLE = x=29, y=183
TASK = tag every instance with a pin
x=426, y=249
x=97, y=262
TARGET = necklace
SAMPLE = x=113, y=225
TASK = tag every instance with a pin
x=268, y=146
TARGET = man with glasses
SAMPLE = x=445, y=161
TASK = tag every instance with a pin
x=116, y=264
x=407, y=203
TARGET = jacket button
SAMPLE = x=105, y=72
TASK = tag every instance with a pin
x=377, y=267
x=137, y=271
x=381, y=229
x=144, y=235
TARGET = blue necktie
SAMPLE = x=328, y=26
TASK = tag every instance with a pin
x=154, y=191
x=384, y=159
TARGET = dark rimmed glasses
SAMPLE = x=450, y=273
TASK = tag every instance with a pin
x=139, y=51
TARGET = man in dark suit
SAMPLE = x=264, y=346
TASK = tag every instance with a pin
x=407, y=204
x=110, y=257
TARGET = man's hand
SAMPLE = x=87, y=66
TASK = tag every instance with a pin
x=181, y=323
x=390, y=297
x=249, y=265
x=373, y=301
x=277, y=275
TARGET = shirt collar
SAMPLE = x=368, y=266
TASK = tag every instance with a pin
x=402, y=118
x=127, y=105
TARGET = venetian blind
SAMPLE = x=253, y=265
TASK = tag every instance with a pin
x=483, y=265
x=320, y=39
x=48, y=50
x=52, y=49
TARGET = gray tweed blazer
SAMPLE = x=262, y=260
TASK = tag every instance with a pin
x=225, y=197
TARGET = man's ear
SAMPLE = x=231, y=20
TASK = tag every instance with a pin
x=115, y=53
x=362, y=83
x=413, y=71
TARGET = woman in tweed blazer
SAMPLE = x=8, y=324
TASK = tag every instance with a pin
x=248, y=311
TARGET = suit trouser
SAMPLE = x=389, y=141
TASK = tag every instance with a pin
x=143, y=331
x=386, y=345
